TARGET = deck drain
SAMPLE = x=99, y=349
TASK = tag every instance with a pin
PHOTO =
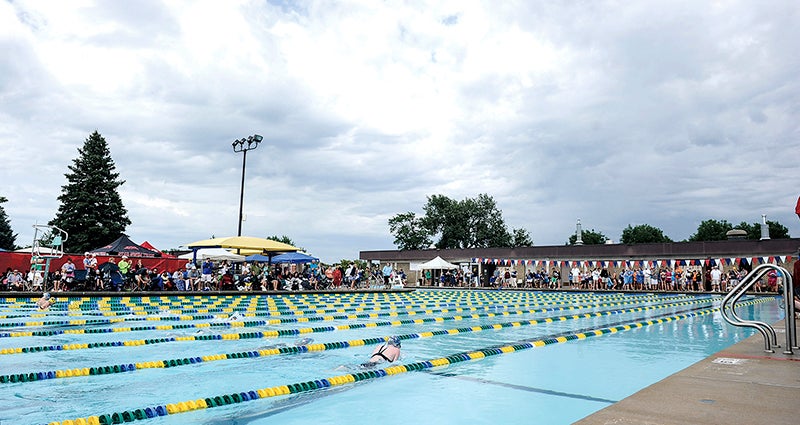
x=707, y=401
x=728, y=361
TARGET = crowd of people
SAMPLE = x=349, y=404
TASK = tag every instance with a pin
x=693, y=279
x=211, y=275
x=208, y=275
x=683, y=279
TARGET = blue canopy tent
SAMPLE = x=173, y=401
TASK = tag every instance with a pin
x=257, y=257
x=293, y=258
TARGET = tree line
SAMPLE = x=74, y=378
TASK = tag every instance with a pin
x=478, y=223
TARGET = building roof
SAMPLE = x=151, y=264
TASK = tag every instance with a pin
x=676, y=250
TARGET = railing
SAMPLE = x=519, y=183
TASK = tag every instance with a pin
x=728, y=308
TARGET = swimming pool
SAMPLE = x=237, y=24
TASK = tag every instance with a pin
x=468, y=356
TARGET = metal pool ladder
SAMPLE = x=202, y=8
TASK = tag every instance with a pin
x=728, y=308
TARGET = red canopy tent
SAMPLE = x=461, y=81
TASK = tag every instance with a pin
x=149, y=246
x=124, y=246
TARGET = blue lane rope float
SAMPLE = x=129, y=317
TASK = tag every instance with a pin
x=291, y=311
x=101, y=370
x=309, y=308
x=270, y=322
x=300, y=387
x=288, y=332
x=185, y=317
x=144, y=305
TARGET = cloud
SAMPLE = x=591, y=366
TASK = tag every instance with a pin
x=659, y=113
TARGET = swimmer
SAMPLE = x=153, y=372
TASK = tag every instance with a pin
x=45, y=302
x=388, y=351
x=221, y=318
x=303, y=341
x=299, y=343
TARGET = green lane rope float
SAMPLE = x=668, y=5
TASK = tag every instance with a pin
x=101, y=370
x=295, y=332
x=269, y=322
x=307, y=386
x=143, y=305
x=140, y=310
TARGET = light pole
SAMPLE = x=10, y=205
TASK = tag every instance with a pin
x=244, y=145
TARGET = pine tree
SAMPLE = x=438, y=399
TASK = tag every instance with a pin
x=8, y=239
x=91, y=209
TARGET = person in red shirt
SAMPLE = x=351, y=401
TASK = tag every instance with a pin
x=796, y=274
x=796, y=284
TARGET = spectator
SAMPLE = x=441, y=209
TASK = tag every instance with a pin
x=387, y=274
x=142, y=277
x=716, y=278
x=15, y=281
x=124, y=267
x=5, y=277
x=110, y=270
x=208, y=272
x=178, y=283
x=193, y=282
x=337, y=276
x=90, y=264
x=67, y=275
x=156, y=283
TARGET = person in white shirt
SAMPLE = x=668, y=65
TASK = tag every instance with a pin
x=716, y=277
x=576, y=276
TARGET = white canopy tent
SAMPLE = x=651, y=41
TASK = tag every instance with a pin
x=214, y=254
x=437, y=263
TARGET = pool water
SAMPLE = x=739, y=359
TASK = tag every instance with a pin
x=554, y=369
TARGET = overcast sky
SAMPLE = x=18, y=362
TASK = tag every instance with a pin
x=617, y=113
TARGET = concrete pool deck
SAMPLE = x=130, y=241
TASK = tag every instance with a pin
x=739, y=385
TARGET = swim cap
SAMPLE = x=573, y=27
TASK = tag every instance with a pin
x=47, y=295
x=395, y=341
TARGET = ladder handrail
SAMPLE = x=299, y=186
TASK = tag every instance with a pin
x=733, y=297
x=728, y=308
x=729, y=312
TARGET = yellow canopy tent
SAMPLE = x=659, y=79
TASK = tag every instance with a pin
x=246, y=244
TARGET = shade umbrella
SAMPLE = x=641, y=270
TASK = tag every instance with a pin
x=294, y=258
x=261, y=245
x=214, y=254
x=256, y=257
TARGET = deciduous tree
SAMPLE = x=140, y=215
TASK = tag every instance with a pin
x=409, y=231
x=471, y=223
x=521, y=237
x=776, y=230
x=711, y=230
x=589, y=237
x=643, y=233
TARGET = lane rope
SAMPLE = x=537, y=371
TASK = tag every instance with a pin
x=279, y=333
x=122, y=368
x=307, y=386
